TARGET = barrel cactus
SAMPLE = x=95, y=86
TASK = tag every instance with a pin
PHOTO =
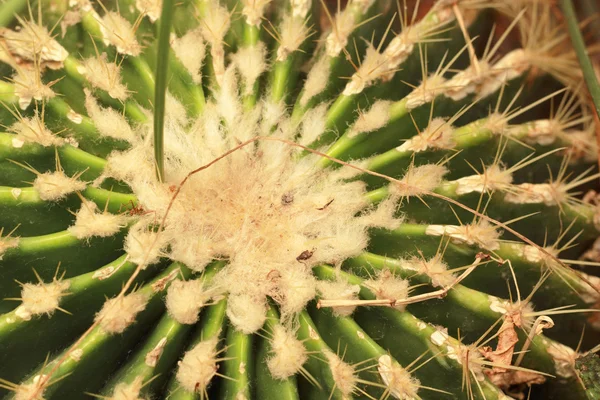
x=295, y=199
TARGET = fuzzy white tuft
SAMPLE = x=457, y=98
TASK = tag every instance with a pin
x=383, y=216
x=118, y=313
x=293, y=32
x=214, y=28
x=191, y=60
x=227, y=100
x=428, y=90
x=313, y=124
x=376, y=118
x=295, y=288
x=33, y=130
x=435, y=268
x=583, y=145
x=128, y=391
x=198, y=366
x=118, y=32
x=300, y=8
x=250, y=63
x=271, y=214
x=564, y=359
x=89, y=222
x=467, y=356
x=337, y=39
x=317, y=79
x=108, y=121
x=370, y=69
x=151, y=8
x=537, y=193
x=33, y=43
x=246, y=313
x=480, y=233
x=185, y=299
x=74, y=15
x=343, y=374
x=419, y=180
x=33, y=390
x=288, y=354
x=29, y=85
x=339, y=290
x=400, y=383
x=192, y=251
x=388, y=287
x=106, y=76
x=41, y=298
x=493, y=178
x=52, y=186
x=7, y=243
x=143, y=245
x=437, y=135
x=254, y=10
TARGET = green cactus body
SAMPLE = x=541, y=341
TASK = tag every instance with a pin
x=272, y=199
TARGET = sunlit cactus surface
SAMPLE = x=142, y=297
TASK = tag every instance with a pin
x=295, y=199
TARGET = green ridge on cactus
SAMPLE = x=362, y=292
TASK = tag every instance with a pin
x=355, y=200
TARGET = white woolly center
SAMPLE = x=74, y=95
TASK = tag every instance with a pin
x=271, y=214
x=119, y=313
x=288, y=354
x=198, y=366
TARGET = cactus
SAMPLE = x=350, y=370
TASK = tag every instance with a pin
x=273, y=199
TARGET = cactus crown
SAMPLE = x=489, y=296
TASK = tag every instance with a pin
x=274, y=199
